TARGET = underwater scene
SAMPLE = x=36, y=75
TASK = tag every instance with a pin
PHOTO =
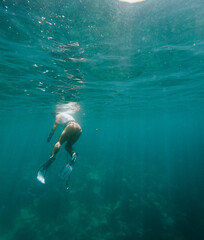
x=126, y=78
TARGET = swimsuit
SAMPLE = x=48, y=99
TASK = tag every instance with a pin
x=65, y=119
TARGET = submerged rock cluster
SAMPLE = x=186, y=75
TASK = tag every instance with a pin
x=98, y=206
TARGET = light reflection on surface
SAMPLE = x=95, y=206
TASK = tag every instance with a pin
x=70, y=108
x=132, y=1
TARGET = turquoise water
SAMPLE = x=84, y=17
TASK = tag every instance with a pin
x=136, y=71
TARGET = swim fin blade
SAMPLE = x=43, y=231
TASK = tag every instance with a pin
x=66, y=172
x=43, y=170
x=41, y=175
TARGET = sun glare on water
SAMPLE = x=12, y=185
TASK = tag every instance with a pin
x=132, y=1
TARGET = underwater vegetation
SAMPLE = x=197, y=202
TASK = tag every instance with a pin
x=131, y=201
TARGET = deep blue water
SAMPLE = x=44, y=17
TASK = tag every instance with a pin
x=136, y=71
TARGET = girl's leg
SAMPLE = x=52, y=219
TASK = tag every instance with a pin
x=70, y=134
x=71, y=141
x=63, y=137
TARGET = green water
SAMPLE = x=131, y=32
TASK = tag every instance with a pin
x=136, y=71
